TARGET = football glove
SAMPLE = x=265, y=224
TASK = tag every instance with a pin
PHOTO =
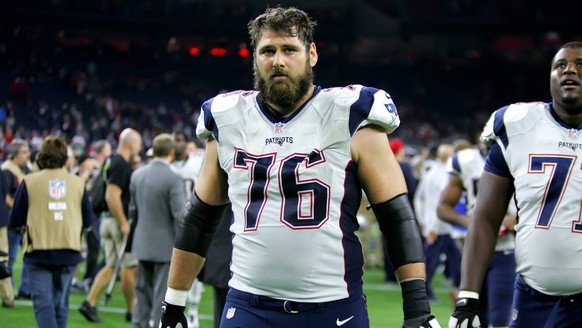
x=425, y=321
x=4, y=270
x=466, y=314
x=173, y=316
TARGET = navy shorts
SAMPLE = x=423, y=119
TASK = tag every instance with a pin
x=244, y=310
x=533, y=309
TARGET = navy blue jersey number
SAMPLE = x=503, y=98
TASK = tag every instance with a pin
x=304, y=203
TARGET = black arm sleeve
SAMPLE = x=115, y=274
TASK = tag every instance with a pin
x=198, y=223
x=401, y=234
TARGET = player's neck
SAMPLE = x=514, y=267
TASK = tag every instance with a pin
x=571, y=115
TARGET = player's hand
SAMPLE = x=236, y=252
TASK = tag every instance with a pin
x=124, y=227
x=173, y=316
x=425, y=321
x=466, y=314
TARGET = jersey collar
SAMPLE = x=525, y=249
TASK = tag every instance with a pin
x=274, y=119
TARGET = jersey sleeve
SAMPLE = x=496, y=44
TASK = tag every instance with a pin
x=496, y=163
x=373, y=107
x=206, y=127
x=494, y=130
x=215, y=112
x=453, y=166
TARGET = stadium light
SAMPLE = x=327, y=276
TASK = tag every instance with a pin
x=244, y=52
x=194, y=51
x=218, y=51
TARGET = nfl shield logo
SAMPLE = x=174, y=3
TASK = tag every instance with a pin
x=230, y=312
x=279, y=127
x=572, y=133
x=57, y=189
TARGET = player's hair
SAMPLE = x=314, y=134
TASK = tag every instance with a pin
x=15, y=146
x=569, y=45
x=163, y=145
x=53, y=153
x=284, y=21
x=572, y=45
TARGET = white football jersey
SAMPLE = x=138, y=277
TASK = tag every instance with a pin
x=189, y=170
x=468, y=165
x=426, y=199
x=543, y=157
x=294, y=190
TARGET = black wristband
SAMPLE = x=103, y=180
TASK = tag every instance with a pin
x=414, y=299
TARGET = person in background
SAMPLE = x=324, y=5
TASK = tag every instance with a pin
x=6, y=290
x=437, y=233
x=53, y=206
x=188, y=164
x=465, y=168
x=115, y=226
x=157, y=198
x=15, y=168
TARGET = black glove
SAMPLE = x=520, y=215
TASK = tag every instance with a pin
x=4, y=270
x=173, y=316
x=466, y=313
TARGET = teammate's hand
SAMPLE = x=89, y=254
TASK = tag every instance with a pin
x=466, y=314
x=173, y=316
x=425, y=321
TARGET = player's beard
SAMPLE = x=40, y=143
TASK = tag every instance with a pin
x=287, y=95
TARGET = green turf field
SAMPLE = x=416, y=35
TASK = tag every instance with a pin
x=384, y=306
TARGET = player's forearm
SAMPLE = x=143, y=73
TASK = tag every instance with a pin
x=448, y=214
x=477, y=252
x=184, y=267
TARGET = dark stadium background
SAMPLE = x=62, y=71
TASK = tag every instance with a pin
x=447, y=64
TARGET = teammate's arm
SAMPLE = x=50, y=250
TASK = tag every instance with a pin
x=490, y=210
x=384, y=184
x=449, y=198
x=211, y=193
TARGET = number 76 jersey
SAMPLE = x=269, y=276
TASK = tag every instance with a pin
x=294, y=190
x=544, y=158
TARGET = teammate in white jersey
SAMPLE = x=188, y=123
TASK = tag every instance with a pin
x=291, y=158
x=188, y=166
x=536, y=153
x=465, y=168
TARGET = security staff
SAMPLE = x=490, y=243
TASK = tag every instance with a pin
x=54, y=207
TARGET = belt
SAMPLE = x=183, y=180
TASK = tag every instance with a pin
x=287, y=306
x=543, y=296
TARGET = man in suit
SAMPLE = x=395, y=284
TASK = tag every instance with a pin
x=157, y=199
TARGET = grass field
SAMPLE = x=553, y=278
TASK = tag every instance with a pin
x=384, y=306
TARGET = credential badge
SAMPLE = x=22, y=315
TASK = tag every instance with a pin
x=57, y=189
x=230, y=312
x=279, y=127
x=572, y=133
